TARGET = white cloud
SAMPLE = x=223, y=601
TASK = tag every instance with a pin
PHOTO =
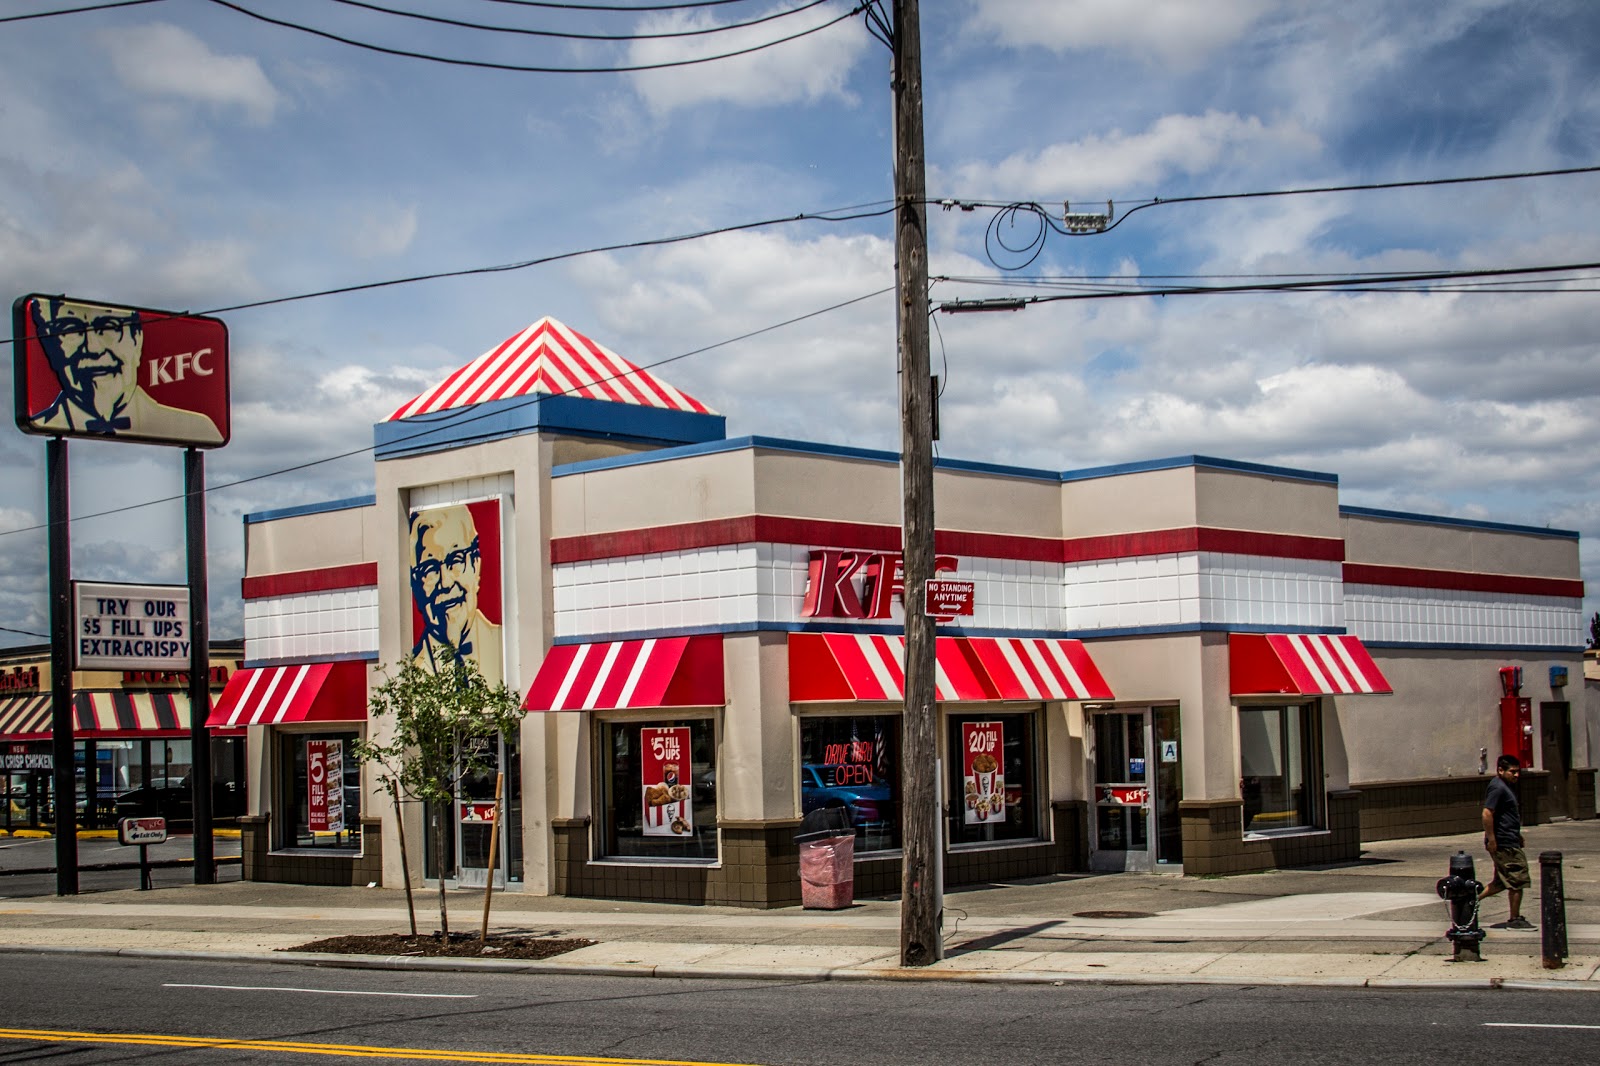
x=1172, y=144
x=804, y=70
x=1174, y=31
x=165, y=61
x=383, y=231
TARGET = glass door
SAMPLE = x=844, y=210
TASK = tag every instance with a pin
x=1121, y=829
x=475, y=819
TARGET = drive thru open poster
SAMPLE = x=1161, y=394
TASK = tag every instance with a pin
x=325, y=786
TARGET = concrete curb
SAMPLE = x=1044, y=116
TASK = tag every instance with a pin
x=684, y=971
x=101, y=867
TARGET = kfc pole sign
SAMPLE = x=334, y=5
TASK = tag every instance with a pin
x=859, y=584
x=119, y=373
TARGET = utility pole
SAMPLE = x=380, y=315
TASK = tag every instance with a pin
x=920, y=942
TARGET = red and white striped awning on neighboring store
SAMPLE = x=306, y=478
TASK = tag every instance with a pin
x=871, y=667
x=1302, y=664
x=304, y=692
x=616, y=675
x=101, y=714
x=550, y=358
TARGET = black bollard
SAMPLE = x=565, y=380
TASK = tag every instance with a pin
x=1552, y=911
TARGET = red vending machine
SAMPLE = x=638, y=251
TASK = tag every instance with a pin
x=1516, y=717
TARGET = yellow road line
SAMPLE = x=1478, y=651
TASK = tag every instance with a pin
x=364, y=1051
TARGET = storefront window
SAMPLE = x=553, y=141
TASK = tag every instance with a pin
x=992, y=778
x=320, y=796
x=854, y=763
x=1278, y=759
x=659, y=785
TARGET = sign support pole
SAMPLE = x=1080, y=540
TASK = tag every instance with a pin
x=194, y=477
x=61, y=638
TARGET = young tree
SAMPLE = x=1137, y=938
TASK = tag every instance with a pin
x=440, y=723
x=1594, y=631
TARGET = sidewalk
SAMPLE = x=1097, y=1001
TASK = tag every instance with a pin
x=1374, y=923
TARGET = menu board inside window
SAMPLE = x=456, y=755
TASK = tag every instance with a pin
x=983, y=781
x=664, y=773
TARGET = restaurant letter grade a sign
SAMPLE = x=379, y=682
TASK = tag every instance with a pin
x=130, y=627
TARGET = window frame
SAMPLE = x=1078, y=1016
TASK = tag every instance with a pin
x=953, y=818
x=284, y=800
x=601, y=826
x=1307, y=713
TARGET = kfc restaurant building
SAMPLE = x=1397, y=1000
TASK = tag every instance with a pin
x=1189, y=664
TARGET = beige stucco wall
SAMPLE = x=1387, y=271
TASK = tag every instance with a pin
x=1232, y=499
x=1436, y=546
x=310, y=542
x=1190, y=670
x=694, y=488
x=1129, y=503
x=1445, y=707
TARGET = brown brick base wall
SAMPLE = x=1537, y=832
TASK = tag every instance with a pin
x=1445, y=806
x=761, y=866
x=1213, y=838
x=261, y=863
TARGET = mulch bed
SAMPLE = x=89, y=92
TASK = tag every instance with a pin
x=459, y=946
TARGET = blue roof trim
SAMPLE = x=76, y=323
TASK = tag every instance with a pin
x=1464, y=523
x=516, y=415
x=1198, y=627
x=296, y=660
x=347, y=504
x=1177, y=462
x=1509, y=649
x=833, y=626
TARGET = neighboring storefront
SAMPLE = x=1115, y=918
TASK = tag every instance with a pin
x=131, y=727
x=1189, y=664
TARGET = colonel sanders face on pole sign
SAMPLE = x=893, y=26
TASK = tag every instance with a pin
x=120, y=373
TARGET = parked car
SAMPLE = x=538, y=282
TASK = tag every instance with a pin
x=821, y=785
x=163, y=797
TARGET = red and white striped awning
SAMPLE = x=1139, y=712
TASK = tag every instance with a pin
x=305, y=692
x=100, y=714
x=871, y=667
x=1028, y=668
x=616, y=675
x=551, y=358
x=1302, y=664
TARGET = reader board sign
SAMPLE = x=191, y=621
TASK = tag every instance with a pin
x=119, y=373
x=325, y=786
x=130, y=627
x=142, y=831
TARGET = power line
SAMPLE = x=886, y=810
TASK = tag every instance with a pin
x=616, y=7
x=26, y=632
x=76, y=11
x=872, y=209
x=1323, y=285
x=518, y=30
x=455, y=418
x=485, y=65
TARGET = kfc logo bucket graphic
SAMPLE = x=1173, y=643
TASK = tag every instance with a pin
x=982, y=769
x=121, y=373
x=664, y=773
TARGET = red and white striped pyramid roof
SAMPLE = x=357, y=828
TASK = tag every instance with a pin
x=552, y=358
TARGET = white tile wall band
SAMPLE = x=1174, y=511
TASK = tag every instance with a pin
x=310, y=625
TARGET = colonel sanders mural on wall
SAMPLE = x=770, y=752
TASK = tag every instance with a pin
x=455, y=586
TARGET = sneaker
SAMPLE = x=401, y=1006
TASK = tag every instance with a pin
x=1519, y=923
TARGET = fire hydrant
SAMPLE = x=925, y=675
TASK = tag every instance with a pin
x=1460, y=893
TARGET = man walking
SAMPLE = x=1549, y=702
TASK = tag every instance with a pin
x=1502, y=836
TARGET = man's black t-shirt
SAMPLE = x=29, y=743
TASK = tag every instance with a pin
x=1502, y=802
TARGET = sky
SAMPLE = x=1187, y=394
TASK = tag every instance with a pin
x=181, y=154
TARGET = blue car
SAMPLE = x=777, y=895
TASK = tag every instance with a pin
x=822, y=785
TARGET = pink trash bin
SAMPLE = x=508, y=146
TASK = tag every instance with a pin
x=828, y=873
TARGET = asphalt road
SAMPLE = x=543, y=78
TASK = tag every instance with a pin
x=71, y=1010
